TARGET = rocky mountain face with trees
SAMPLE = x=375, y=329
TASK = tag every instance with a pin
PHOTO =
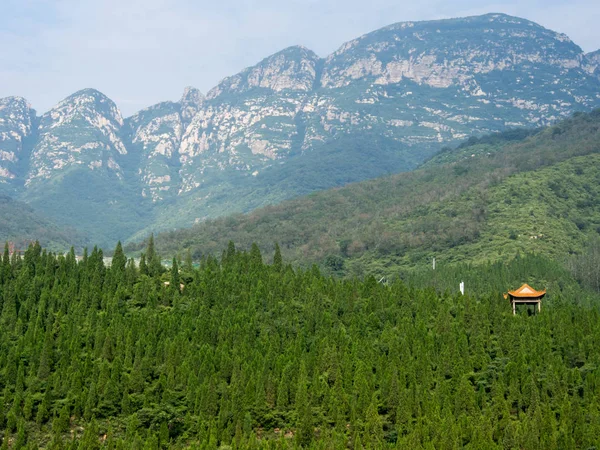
x=291, y=124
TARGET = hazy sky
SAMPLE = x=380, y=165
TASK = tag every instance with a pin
x=140, y=52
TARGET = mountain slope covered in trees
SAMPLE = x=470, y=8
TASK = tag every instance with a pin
x=20, y=224
x=248, y=355
x=485, y=200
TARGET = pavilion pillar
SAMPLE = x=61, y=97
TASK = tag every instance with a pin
x=514, y=308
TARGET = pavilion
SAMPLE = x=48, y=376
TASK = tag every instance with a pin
x=525, y=295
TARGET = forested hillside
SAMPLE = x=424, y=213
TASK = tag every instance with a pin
x=522, y=191
x=239, y=354
x=20, y=224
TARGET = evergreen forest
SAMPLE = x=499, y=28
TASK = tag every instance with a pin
x=237, y=354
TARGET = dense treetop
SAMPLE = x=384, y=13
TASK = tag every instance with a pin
x=248, y=355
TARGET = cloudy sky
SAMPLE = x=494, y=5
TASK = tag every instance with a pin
x=140, y=52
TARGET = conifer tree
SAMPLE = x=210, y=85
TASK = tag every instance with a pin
x=277, y=259
x=255, y=255
x=373, y=426
x=153, y=259
x=143, y=265
x=304, y=433
x=229, y=255
x=163, y=437
x=175, y=280
x=119, y=261
x=6, y=266
x=188, y=262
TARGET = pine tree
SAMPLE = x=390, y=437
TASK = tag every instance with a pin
x=5, y=270
x=119, y=260
x=188, y=263
x=61, y=423
x=5, y=439
x=373, y=426
x=21, y=436
x=175, y=281
x=277, y=259
x=255, y=255
x=90, y=436
x=228, y=257
x=153, y=259
x=304, y=433
x=143, y=266
x=164, y=435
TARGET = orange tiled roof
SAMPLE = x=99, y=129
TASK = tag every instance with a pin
x=527, y=291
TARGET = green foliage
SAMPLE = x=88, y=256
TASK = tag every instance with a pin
x=489, y=199
x=20, y=224
x=251, y=355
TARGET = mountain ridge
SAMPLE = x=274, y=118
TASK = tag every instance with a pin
x=395, y=95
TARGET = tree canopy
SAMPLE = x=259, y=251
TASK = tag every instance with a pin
x=251, y=355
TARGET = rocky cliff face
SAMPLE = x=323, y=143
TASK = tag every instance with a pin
x=295, y=122
x=82, y=130
x=438, y=81
x=17, y=125
x=593, y=62
x=156, y=136
x=249, y=120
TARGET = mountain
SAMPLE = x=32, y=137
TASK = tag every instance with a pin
x=292, y=124
x=81, y=173
x=488, y=199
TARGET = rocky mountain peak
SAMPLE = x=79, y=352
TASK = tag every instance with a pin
x=191, y=102
x=155, y=136
x=448, y=52
x=16, y=112
x=86, y=103
x=593, y=62
x=17, y=120
x=83, y=129
x=291, y=69
x=594, y=56
x=14, y=102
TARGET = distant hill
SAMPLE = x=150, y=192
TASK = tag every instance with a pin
x=292, y=124
x=487, y=199
x=20, y=224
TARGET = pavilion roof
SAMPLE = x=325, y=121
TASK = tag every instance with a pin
x=527, y=291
